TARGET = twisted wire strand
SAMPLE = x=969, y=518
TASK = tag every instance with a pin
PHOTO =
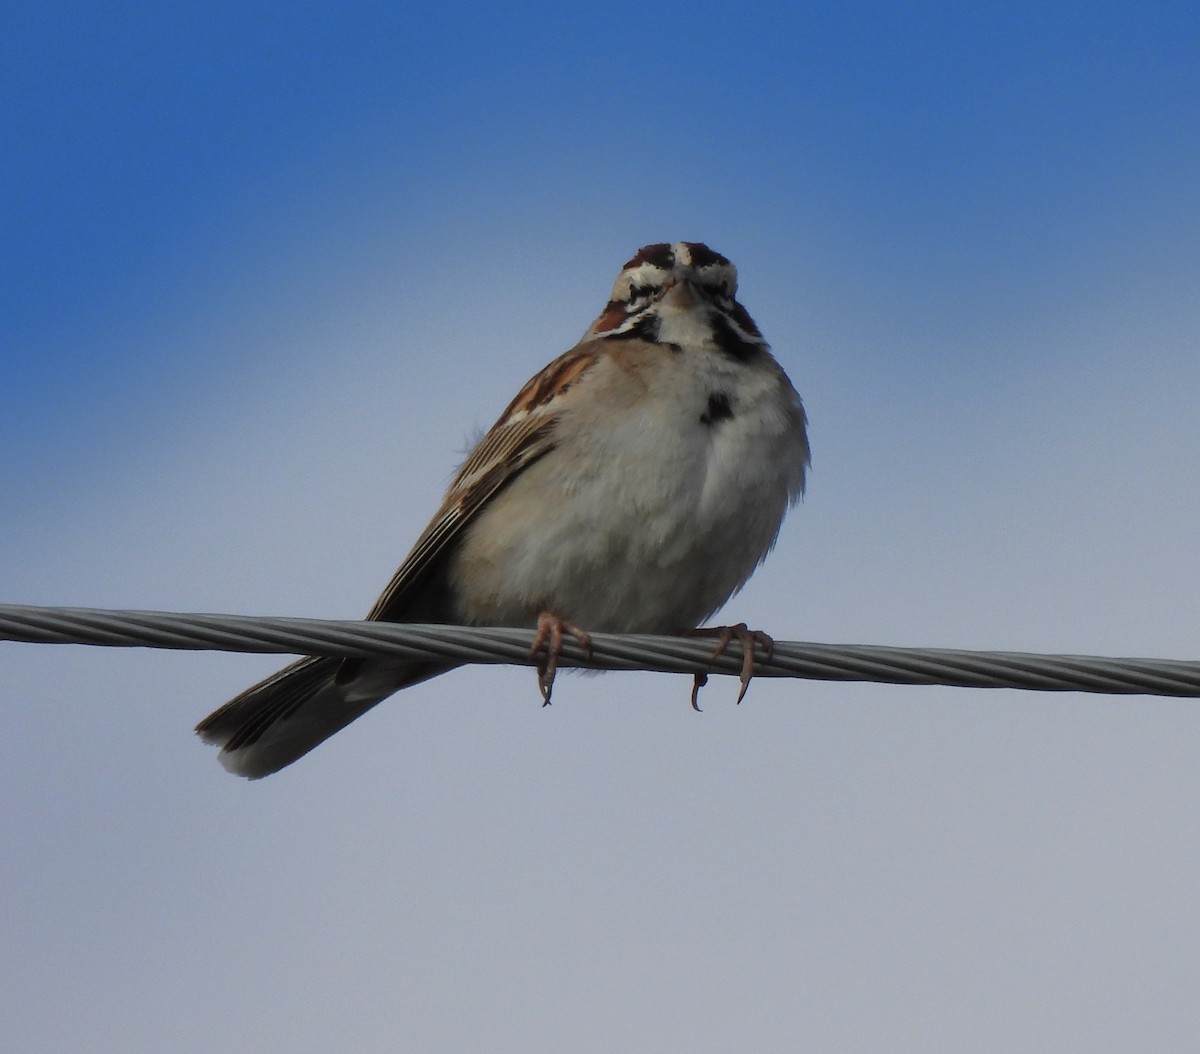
x=462, y=644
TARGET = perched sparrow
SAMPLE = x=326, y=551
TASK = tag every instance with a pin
x=632, y=486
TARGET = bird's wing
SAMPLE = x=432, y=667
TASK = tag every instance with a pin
x=523, y=434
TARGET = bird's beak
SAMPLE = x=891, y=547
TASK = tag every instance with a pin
x=679, y=292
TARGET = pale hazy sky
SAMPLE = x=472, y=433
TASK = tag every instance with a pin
x=267, y=270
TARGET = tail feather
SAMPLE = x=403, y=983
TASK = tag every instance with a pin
x=281, y=719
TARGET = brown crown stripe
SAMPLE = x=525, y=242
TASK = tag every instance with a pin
x=657, y=255
x=703, y=256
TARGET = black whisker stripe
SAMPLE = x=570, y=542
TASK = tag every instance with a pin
x=645, y=328
x=729, y=340
x=741, y=317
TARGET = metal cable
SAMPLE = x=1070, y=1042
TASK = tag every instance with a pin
x=462, y=644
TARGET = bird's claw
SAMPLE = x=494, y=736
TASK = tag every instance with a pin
x=747, y=638
x=550, y=632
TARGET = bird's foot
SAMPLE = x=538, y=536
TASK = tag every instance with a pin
x=550, y=632
x=747, y=638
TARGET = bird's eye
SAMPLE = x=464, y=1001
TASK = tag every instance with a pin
x=721, y=294
x=639, y=294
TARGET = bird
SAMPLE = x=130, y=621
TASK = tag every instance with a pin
x=633, y=485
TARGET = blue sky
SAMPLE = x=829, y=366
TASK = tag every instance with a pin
x=267, y=269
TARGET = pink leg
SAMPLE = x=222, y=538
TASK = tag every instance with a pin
x=550, y=631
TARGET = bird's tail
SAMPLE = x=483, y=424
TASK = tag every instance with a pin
x=282, y=718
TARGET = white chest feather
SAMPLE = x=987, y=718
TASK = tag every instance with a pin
x=667, y=485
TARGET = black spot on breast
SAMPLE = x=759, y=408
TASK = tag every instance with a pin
x=718, y=409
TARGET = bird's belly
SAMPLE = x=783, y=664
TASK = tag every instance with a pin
x=645, y=535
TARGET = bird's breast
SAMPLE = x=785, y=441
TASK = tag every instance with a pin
x=646, y=516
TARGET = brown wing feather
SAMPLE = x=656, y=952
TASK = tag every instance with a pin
x=523, y=434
